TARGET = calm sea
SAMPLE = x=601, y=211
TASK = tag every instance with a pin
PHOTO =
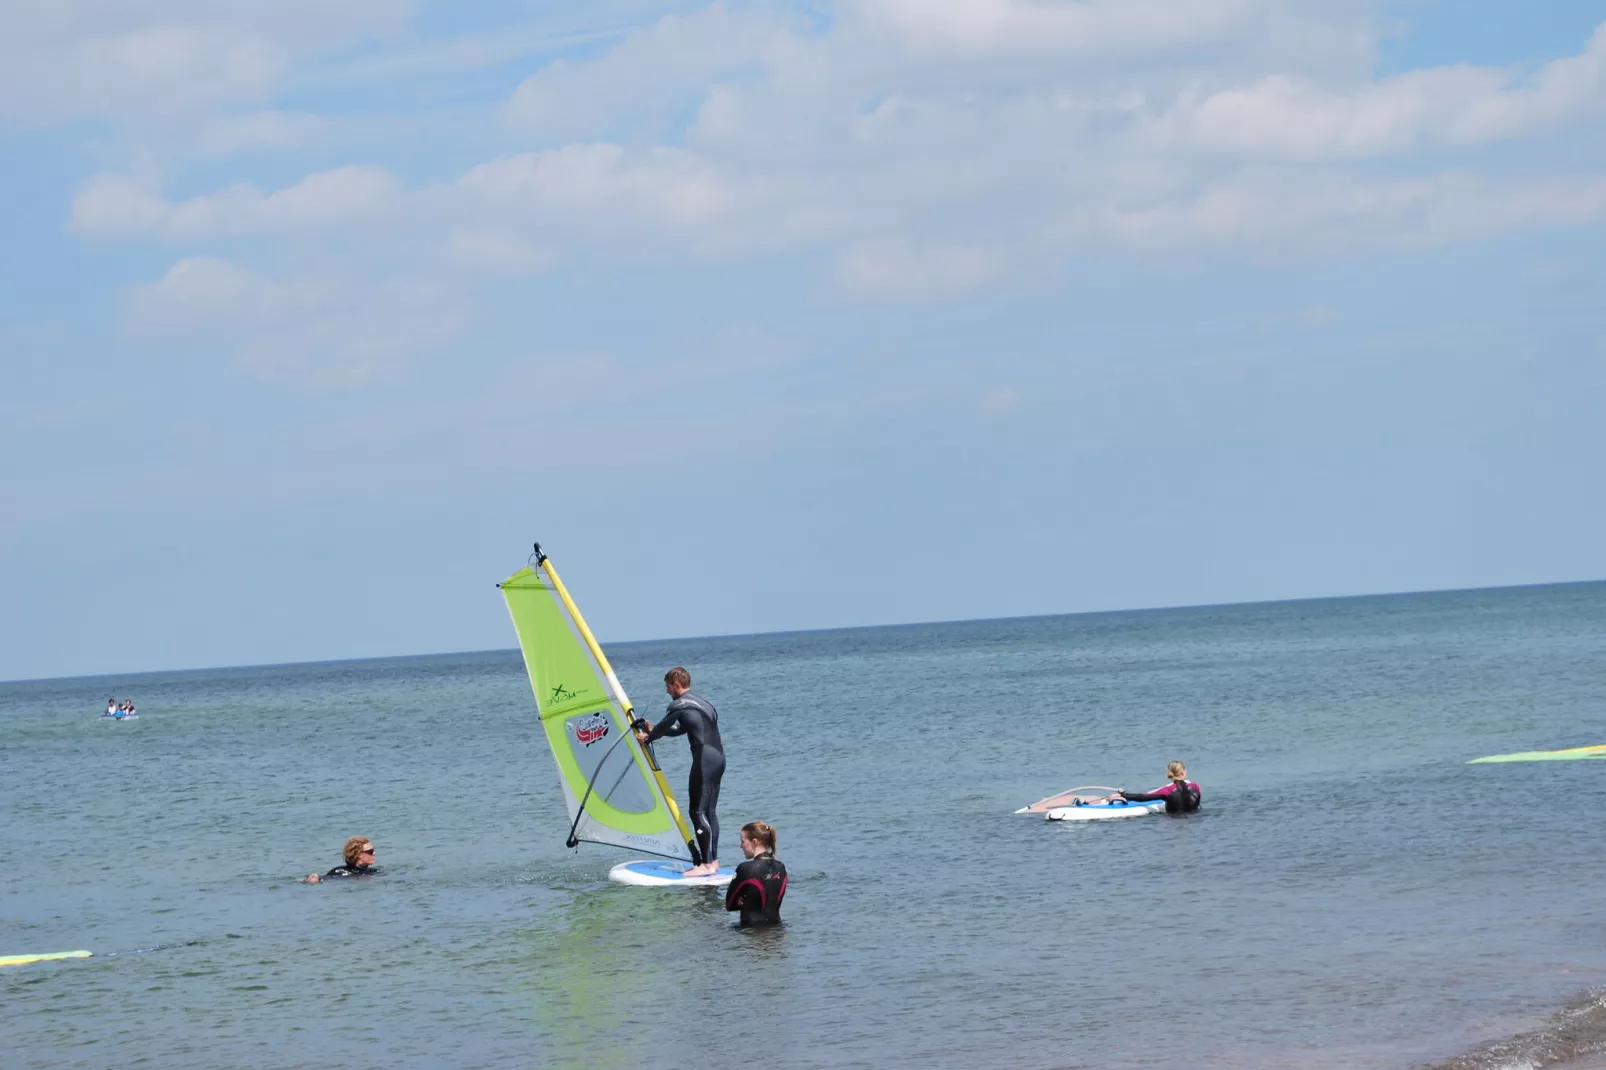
x=1353, y=896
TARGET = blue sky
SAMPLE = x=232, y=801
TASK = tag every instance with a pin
x=768, y=316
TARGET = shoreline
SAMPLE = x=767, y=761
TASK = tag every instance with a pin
x=1571, y=1038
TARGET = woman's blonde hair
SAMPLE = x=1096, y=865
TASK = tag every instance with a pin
x=761, y=833
x=353, y=849
x=1176, y=771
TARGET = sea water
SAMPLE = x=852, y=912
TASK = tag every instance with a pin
x=1352, y=895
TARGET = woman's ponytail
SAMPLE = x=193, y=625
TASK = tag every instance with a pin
x=761, y=833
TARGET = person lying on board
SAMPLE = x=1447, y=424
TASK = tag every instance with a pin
x=1181, y=795
x=359, y=854
x=695, y=718
x=760, y=882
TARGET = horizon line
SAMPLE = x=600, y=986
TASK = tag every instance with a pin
x=831, y=628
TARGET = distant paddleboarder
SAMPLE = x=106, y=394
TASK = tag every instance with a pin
x=695, y=718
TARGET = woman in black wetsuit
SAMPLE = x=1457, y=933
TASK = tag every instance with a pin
x=1181, y=795
x=760, y=882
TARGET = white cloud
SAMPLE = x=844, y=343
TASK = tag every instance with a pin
x=925, y=149
x=317, y=331
x=939, y=148
x=141, y=59
x=667, y=184
x=1338, y=214
x=116, y=206
x=489, y=251
x=1015, y=27
x=899, y=271
x=261, y=131
x=599, y=193
x=1461, y=105
x=651, y=72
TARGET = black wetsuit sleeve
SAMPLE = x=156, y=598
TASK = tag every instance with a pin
x=741, y=887
x=1179, y=799
x=670, y=726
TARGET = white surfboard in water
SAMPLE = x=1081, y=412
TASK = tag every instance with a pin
x=657, y=874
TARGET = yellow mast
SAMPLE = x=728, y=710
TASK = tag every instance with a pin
x=595, y=647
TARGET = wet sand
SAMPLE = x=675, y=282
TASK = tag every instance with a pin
x=1596, y=1061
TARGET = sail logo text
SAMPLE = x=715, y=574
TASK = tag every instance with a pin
x=561, y=693
x=592, y=729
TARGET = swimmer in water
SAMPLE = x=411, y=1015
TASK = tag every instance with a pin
x=695, y=718
x=1181, y=795
x=359, y=854
x=760, y=882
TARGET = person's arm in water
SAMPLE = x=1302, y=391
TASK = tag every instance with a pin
x=1176, y=801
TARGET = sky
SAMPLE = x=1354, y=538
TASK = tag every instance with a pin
x=780, y=316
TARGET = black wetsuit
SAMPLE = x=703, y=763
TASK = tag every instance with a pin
x=697, y=720
x=757, y=890
x=1181, y=797
x=352, y=871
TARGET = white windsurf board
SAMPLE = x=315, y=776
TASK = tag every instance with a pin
x=665, y=874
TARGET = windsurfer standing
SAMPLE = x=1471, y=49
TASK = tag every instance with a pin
x=695, y=718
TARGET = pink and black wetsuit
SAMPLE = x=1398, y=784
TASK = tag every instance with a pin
x=757, y=890
x=1181, y=796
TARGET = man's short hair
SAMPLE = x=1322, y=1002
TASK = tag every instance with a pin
x=679, y=676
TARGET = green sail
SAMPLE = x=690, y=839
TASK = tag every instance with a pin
x=587, y=729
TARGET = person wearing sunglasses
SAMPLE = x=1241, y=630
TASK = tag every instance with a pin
x=359, y=854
